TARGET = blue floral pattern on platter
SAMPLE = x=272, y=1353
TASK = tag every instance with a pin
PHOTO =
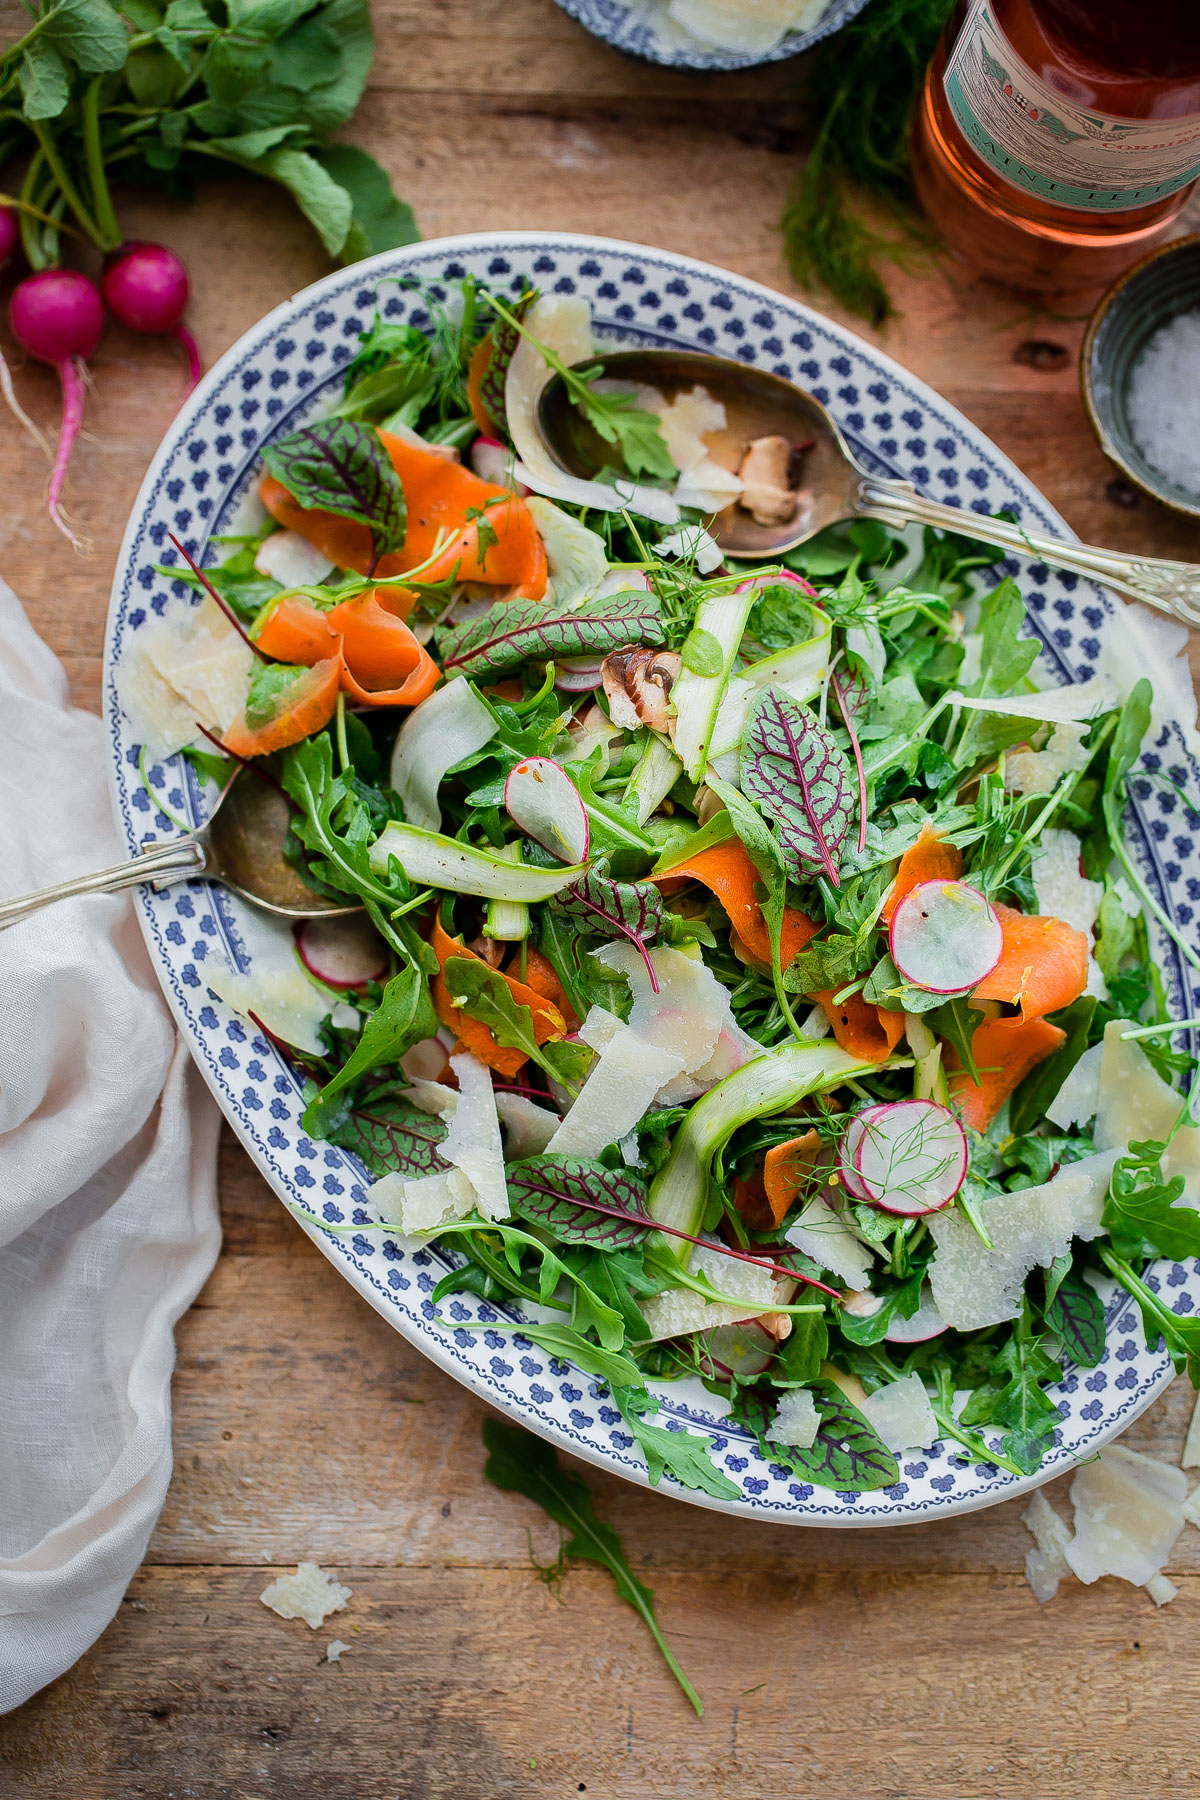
x=263, y=387
x=646, y=31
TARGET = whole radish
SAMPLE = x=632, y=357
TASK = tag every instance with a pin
x=9, y=237
x=145, y=287
x=58, y=317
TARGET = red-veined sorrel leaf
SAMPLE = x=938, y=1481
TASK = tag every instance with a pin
x=518, y=631
x=341, y=466
x=391, y=1136
x=614, y=909
x=848, y=1454
x=799, y=779
x=851, y=697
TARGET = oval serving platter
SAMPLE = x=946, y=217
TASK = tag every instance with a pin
x=265, y=386
x=644, y=28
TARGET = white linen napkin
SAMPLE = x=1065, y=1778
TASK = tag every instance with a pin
x=108, y=1214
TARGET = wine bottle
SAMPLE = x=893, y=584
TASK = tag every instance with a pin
x=1056, y=141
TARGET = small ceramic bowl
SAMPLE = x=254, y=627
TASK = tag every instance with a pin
x=1147, y=297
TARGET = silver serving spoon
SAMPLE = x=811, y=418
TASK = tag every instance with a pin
x=835, y=487
x=240, y=845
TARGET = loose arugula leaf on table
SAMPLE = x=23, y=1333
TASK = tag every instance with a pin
x=522, y=1464
x=848, y=1454
x=613, y=910
x=518, y=631
x=340, y=466
x=391, y=1135
x=483, y=994
x=404, y=1016
x=793, y=770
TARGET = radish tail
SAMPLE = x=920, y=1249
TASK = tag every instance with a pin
x=195, y=366
x=74, y=388
x=18, y=411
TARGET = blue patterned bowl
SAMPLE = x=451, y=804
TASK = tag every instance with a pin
x=264, y=387
x=643, y=28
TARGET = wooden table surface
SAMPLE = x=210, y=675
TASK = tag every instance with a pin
x=846, y=1665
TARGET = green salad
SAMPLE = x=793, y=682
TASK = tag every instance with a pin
x=753, y=983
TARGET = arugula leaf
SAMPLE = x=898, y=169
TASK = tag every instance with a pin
x=340, y=466
x=391, y=1135
x=847, y=1454
x=1180, y=1335
x=270, y=684
x=797, y=775
x=957, y=1022
x=1014, y=1397
x=767, y=858
x=886, y=987
x=403, y=1017
x=1116, y=933
x=619, y=420
x=828, y=964
x=683, y=1454
x=1005, y=658
x=613, y=1366
x=1075, y=1314
x=564, y=1195
x=518, y=631
x=804, y=1348
x=1039, y=1087
x=522, y=1464
x=484, y=994
x=89, y=33
x=1141, y=1206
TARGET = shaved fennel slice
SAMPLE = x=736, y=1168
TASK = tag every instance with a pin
x=576, y=558
x=795, y=1420
x=1136, y=1103
x=786, y=1074
x=445, y=729
x=825, y=1236
x=1128, y=1514
x=562, y=322
x=430, y=860
x=697, y=698
x=617, y=1094
x=1046, y=1566
x=751, y=1289
x=973, y=1286
x=658, y=769
x=902, y=1415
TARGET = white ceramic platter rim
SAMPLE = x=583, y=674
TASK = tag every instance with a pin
x=270, y=377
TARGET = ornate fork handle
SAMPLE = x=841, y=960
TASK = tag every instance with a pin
x=1172, y=587
x=160, y=863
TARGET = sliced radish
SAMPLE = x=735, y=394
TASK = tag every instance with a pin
x=910, y=1157
x=851, y=1181
x=493, y=462
x=543, y=801
x=927, y=1322
x=944, y=937
x=741, y=1351
x=343, y=953
x=578, y=674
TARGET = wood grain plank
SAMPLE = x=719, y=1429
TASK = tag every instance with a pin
x=473, y=1685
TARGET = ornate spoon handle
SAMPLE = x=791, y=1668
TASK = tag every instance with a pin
x=162, y=862
x=1173, y=587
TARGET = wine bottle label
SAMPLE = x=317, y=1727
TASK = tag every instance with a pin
x=1042, y=143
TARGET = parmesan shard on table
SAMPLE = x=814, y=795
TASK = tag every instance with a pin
x=311, y=1594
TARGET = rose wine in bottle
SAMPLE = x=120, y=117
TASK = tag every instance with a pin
x=1057, y=140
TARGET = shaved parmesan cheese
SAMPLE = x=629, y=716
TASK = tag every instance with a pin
x=1039, y=771
x=1062, y=892
x=1046, y=1566
x=974, y=1286
x=563, y=323
x=734, y=1048
x=290, y=559
x=688, y=1013
x=708, y=487
x=1128, y=1514
x=445, y=729
x=685, y=422
x=178, y=674
x=795, y=1420
x=1052, y=706
x=825, y=1236
x=1191, y=1507
x=528, y=1128
x=276, y=988
x=600, y=1028
x=752, y=1290
x=310, y=1594
x=336, y=1650
x=475, y=1180
x=1077, y=1099
x=617, y=1094
x=1160, y=1589
x=576, y=558
x=902, y=1415
x=747, y=26
x=1191, y=1449
x=691, y=543
x=1136, y=1103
